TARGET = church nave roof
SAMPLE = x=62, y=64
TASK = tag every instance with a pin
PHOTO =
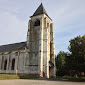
x=11, y=47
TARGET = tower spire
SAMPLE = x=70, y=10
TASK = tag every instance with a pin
x=40, y=10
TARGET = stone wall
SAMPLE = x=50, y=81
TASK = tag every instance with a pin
x=19, y=58
x=40, y=46
x=34, y=59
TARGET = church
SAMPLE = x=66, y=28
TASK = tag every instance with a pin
x=36, y=56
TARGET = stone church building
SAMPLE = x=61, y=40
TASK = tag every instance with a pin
x=36, y=56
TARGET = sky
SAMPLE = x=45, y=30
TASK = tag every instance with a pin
x=68, y=17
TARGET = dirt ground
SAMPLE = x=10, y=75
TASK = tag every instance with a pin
x=37, y=82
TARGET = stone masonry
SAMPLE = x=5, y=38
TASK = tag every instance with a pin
x=36, y=56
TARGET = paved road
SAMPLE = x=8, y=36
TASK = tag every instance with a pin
x=37, y=82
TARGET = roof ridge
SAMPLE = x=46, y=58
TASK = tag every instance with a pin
x=14, y=46
x=13, y=43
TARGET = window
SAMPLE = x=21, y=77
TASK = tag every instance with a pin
x=13, y=64
x=37, y=22
x=47, y=24
x=16, y=53
x=5, y=64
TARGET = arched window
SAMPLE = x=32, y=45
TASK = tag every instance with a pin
x=5, y=64
x=13, y=64
x=37, y=22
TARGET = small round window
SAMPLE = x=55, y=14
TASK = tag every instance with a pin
x=37, y=22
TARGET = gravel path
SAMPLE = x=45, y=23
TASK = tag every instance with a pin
x=37, y=82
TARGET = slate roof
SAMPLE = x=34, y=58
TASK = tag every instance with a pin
x=40, y=10
x=15, y=46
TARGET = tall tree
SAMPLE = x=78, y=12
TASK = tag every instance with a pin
x=77, y=57
x=60, y=62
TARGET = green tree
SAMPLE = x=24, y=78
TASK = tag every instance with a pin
x=60, y=63
x=76, y=60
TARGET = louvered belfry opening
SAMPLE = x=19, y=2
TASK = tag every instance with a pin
x=37, y=22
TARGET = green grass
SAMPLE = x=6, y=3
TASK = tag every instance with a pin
x=28, y=77
x=9, y=76
x=73, y=79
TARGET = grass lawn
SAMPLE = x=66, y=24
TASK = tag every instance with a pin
x=73, y=79
x=9, y=76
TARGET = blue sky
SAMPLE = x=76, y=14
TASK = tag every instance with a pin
x=68, y=17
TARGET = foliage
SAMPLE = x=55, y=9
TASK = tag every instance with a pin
x=76, y=60
x=60, y=62
x=73, y=62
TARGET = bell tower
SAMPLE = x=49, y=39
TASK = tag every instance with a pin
x=40, y=44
